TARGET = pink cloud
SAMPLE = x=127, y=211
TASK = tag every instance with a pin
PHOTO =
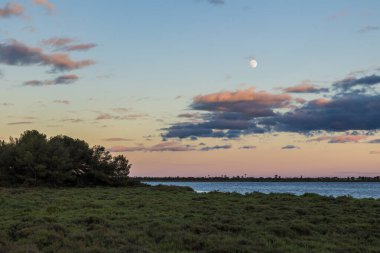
x=340, y=138
x=250, y=94
x=11, y=9
x=44, y=3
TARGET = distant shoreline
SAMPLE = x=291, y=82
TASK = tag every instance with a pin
x=258, y=179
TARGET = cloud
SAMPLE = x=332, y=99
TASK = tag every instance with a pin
x=374, y=141
x=161, y=147
x=18, y=54
x=290, y=147
x=117, y=139
x=244, y=112
x=338, y=15
x=45, y=4
x=347, y=138
x=11, y=9
x=66, y=44
x=249, y=101
x=108, y=116
x=65, y=79
x=248, y=147
x=216, y=2
x=369, y=28
x=119, y=149
x=217, y=147
x=20, y=123
x=343, y=113
x=57, y=42
x=305, y=88
x=351, y=82
x=340, y=138
x=66, y=102
x=72, y=120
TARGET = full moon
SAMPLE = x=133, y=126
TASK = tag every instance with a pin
x=253, y=63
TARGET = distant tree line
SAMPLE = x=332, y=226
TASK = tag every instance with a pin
x=276, y=178
x=35, y=160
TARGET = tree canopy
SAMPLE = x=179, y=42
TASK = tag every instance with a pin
x=35, y=160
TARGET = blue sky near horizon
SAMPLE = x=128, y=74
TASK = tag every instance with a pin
x=153, y=57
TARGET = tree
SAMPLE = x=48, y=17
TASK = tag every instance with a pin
x=59, y=161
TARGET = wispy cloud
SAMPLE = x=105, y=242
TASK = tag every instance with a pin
x=217, y=147
x=340, y=138
x=290, y=147
x=66, y=102
x=369, y=28
x=338, y=15
x=216, y=2
x=65, y=79
x=248, y=147
x=20, y=123
x=67, y=44
x=11, y=9
x=45, y=4
x=117, y=139
x=161, y=147
x=305, y=88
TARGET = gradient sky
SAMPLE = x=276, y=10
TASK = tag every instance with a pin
x=168, y=83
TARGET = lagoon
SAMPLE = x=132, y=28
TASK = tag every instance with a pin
x=353, y=189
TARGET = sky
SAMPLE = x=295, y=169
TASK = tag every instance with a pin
x=168, y=83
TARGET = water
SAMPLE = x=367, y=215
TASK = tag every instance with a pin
x=356, y=190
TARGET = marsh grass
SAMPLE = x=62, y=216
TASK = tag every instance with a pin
x=173, y=219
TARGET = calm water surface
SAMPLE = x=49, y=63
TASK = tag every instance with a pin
x=356, y=190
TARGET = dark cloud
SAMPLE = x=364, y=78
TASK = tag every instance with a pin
x=11, y=9
x=244, y=112
x=290, y=147
x=217, y=147
x=353, y=112
x=351, y=82
x=65, y=79
x=248, y=147
x=16, y=53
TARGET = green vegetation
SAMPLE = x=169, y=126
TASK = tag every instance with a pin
x=174, y=219
x=34, y=160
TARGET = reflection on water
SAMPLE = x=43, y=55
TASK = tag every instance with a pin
x=356, y=190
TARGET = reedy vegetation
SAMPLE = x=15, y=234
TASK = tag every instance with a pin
x=174, y=219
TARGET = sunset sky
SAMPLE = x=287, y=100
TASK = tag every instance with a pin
x=168, y=82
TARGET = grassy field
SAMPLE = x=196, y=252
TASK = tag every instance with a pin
x=170, y=219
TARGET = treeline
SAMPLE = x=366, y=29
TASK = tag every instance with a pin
x=259, y=179
x=35, y=160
